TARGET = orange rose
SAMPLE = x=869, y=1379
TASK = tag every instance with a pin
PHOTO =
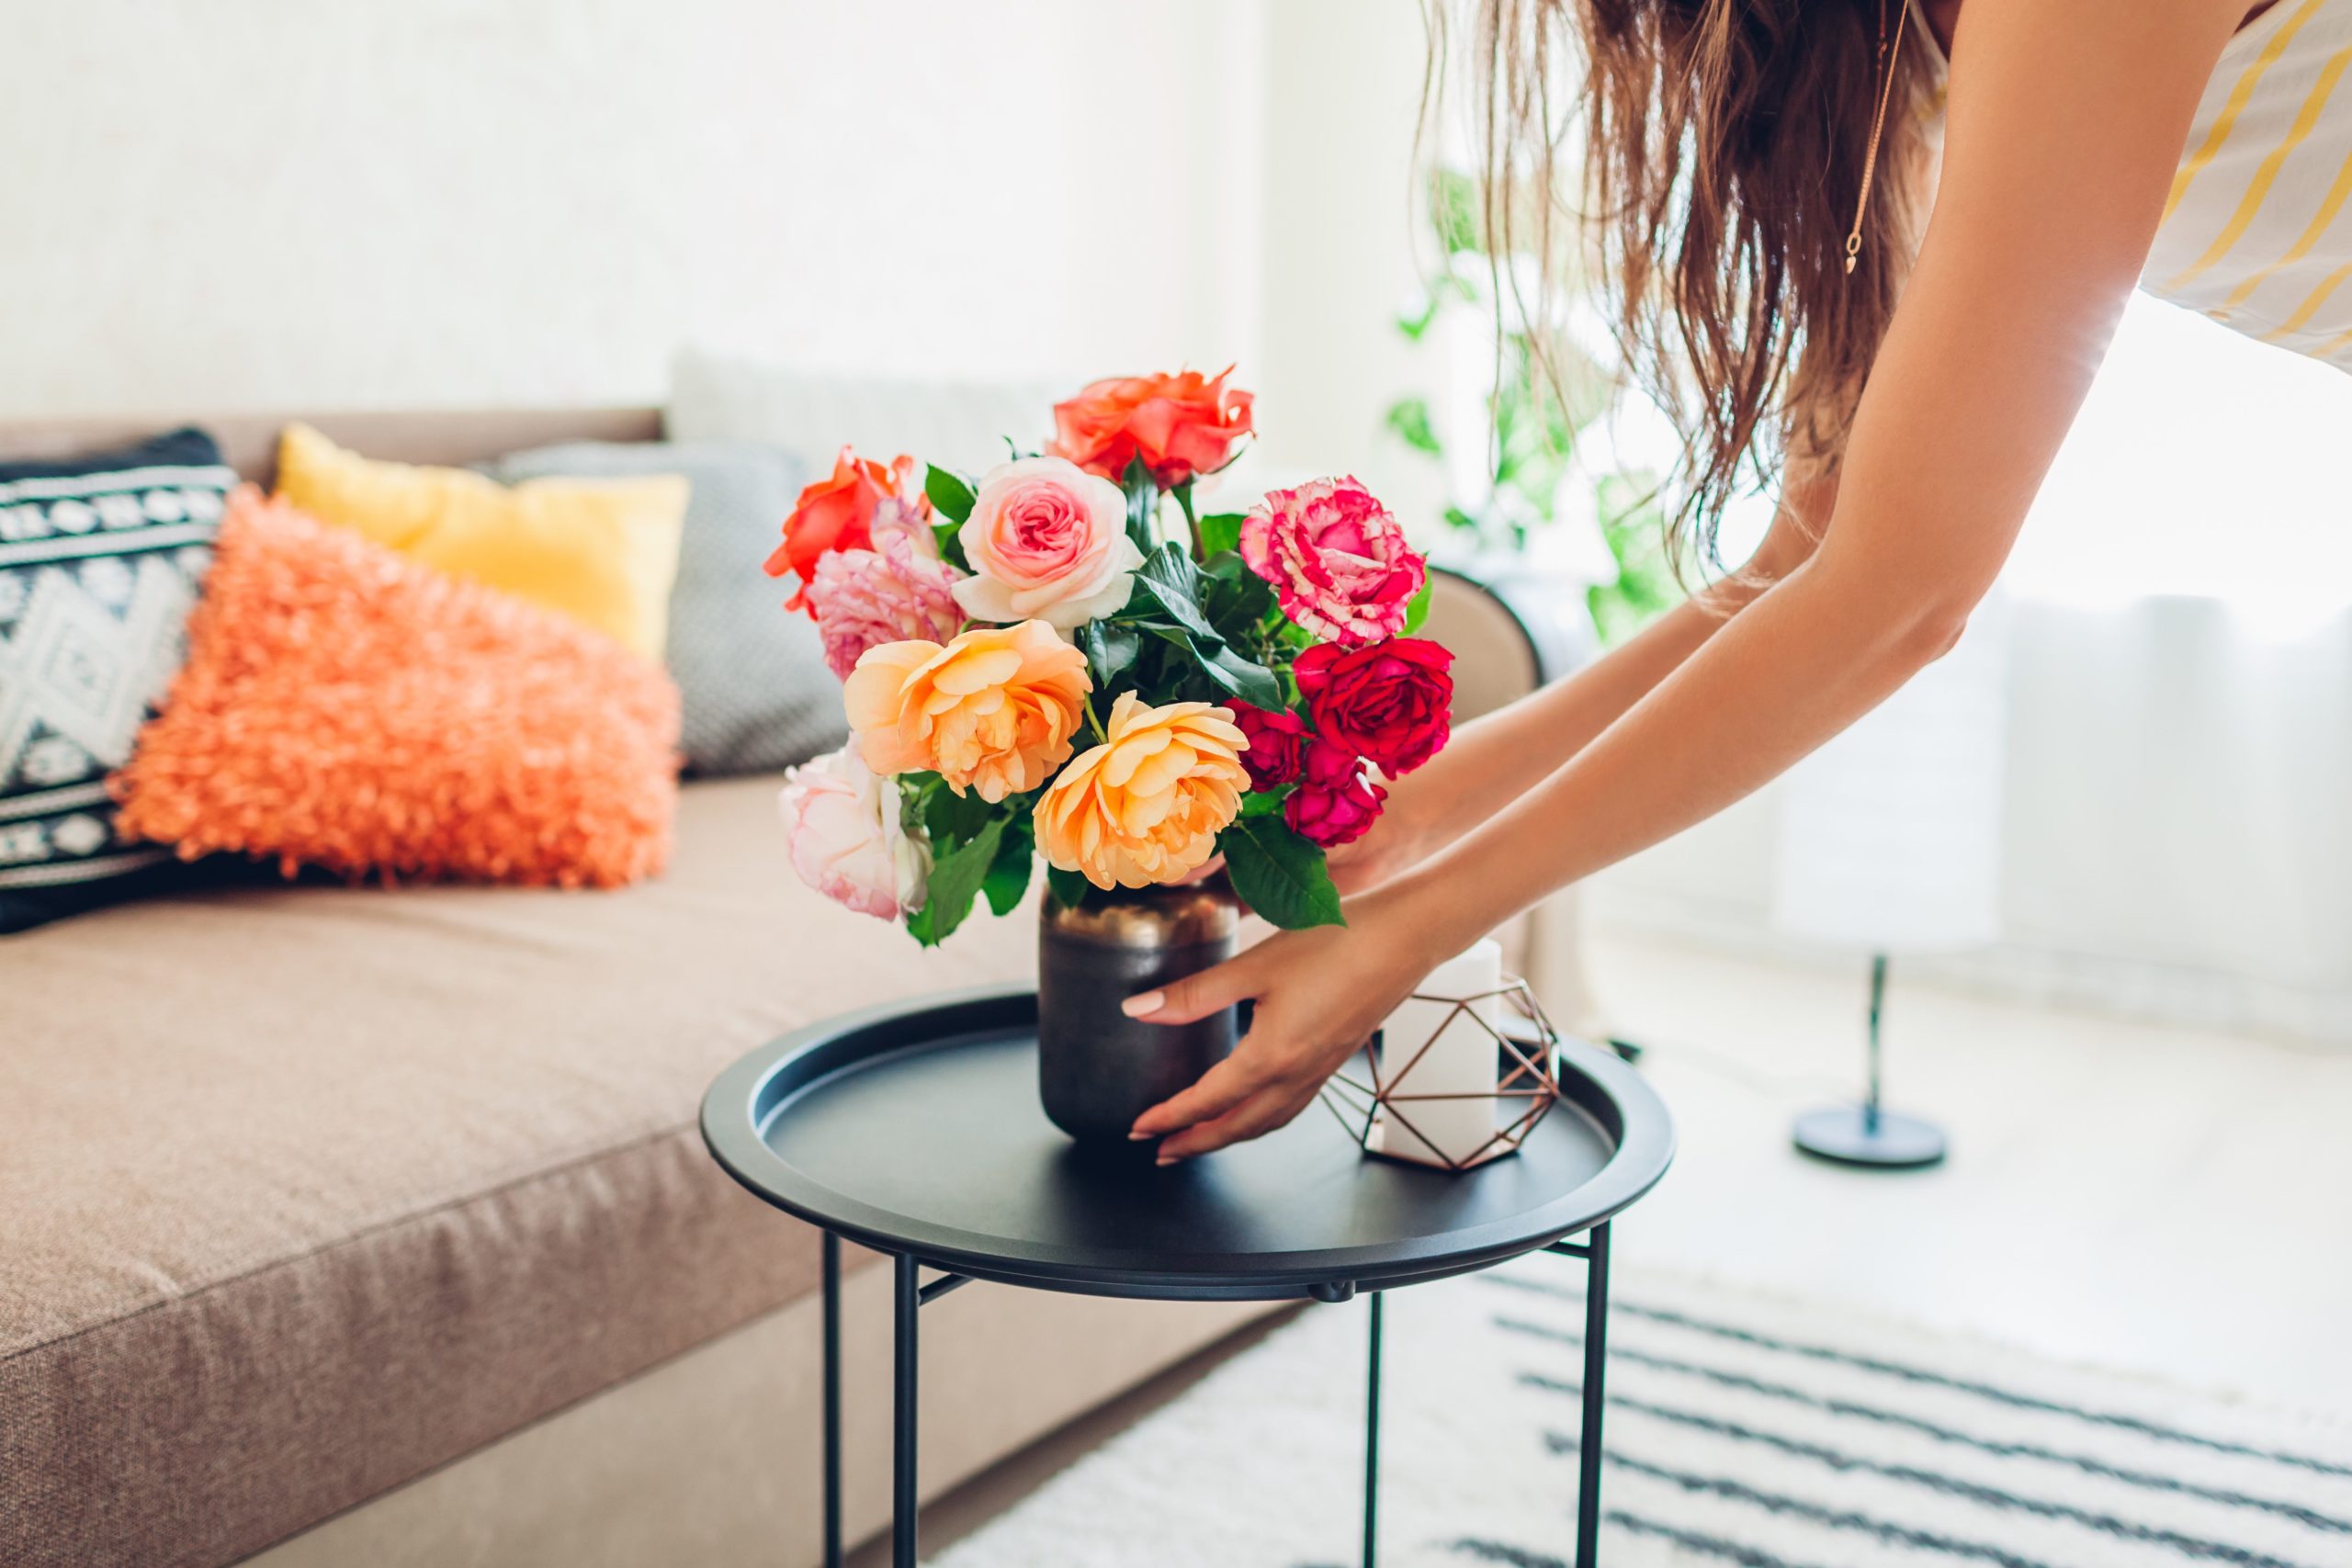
x=1146, y=806
x=837, y=513
x=1180, y=425
x=992, y=711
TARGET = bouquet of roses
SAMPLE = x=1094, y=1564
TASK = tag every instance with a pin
x=1042, y=661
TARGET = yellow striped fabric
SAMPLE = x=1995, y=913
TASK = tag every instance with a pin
x=2321, y=222
x=2257, y=227
x=2255, y=232
x=2217, y=134
x=2266, y=173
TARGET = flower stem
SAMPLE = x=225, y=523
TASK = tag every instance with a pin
x=1096, y=724
x=1184, y=494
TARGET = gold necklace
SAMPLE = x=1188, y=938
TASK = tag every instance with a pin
x=1886, y=64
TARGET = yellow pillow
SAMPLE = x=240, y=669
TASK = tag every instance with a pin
x=602, y=551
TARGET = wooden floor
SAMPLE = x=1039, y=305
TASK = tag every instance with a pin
x=2153, y=1200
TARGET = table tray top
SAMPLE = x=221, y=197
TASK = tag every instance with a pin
x=916, y=1128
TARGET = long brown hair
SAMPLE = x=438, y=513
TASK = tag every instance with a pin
x=1722, y=151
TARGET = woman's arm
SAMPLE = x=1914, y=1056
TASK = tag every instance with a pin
x=1493, y=761
x=2066, y=122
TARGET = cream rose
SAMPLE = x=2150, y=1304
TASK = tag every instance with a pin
x=844, y=833
x=1046, y=541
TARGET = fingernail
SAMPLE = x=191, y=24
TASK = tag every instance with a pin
x=1144, y=1005
x=1133, y=1137
x=1168, y=1159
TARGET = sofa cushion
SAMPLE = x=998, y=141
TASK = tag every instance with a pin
x=347, y=708
x=758, y=696
x=307, y=1190
x=100, y=560
x=604, y=552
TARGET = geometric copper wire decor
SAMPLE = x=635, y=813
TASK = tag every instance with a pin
x=1526, y=1054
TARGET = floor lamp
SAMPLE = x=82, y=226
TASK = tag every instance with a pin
x=1891, y=843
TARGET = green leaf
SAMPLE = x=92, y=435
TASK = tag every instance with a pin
x=1169, y=581
x=951, y=820
x=1417, y=608
x=1409, y=420
x=1068, y=889
x=1218, y=532
x=1279, y=874
x=1454, y=210
x=1109, y=648
x=1263, y=803
x=1416, y=321
x=1237, y=600
x=955, y=880
x=1143, y=502
x=950, y=492
x=1245, y=678
x=1007, y=881
x=948, y=538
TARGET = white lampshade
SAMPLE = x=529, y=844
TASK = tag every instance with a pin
x=1891, y=834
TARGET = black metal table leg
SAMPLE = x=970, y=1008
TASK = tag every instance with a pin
x=1372, y=1444
x=832, y=1292
x=1596, y=1358
x=908, y=1295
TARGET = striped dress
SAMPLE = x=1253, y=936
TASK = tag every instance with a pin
x=2255, y=233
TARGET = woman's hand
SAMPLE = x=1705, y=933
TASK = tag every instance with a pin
x=1393, y=846
x=1320, y=994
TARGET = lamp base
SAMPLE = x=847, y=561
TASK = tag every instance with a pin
x=1853, y=1135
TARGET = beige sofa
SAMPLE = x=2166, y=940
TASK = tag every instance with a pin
x=356, y=1225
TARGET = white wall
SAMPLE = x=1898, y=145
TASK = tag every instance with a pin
x=331, y=203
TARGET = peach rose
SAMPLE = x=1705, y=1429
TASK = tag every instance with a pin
x=1047, y=541
x=1180, y=425
x=993, y=711
x=1146, y=806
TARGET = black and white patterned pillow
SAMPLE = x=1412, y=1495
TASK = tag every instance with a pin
x=101, y=558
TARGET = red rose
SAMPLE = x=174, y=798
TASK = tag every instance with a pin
x=1277, y=748
x=1334, y=802
x=1391, y=702
x=837, y=513
x=1180, y=425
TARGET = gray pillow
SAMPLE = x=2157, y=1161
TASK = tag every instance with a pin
x=757, y=694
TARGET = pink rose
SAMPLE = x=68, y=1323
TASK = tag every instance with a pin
x=843, y=833
x=1334, y=802
x=1049, y=543
x=1336, y=559
x=897, y=591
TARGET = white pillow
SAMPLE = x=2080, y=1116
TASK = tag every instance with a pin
x=957, y=424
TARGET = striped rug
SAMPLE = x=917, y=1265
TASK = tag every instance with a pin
x=1741, y=1431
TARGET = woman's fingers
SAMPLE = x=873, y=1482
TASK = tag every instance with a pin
x=1217, y=1091
x=1270, y=1107
x=1196, y=996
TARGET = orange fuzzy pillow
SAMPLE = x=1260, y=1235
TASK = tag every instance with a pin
x=343, y=708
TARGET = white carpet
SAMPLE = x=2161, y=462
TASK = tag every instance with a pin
x=1740, y=1430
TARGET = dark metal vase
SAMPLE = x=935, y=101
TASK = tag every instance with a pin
x=1097, y=1068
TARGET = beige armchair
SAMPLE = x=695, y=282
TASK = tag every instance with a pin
x=1510, y=632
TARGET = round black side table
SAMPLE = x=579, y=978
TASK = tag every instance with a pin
x=915, y=1130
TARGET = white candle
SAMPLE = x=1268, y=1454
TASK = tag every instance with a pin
x=1460, y=1059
